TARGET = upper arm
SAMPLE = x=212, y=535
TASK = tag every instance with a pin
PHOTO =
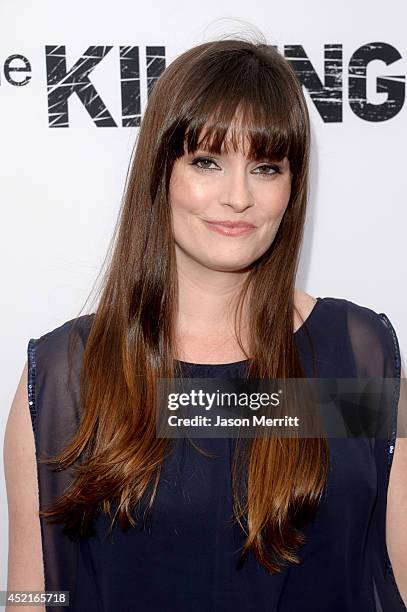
x=25, y=560
x=396, y=518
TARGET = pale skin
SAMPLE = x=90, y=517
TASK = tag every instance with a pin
x=211, y=268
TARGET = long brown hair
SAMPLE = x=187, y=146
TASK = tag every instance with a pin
x=117, y=452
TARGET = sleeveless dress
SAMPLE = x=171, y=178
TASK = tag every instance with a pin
x=186, y=559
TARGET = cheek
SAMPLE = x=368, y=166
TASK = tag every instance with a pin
x=273, y=200
x=187, y=195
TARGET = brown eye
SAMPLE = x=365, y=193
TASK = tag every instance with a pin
x=269, y=169
x=202, y=163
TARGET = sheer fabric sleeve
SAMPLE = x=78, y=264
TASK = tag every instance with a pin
x=53, y=398
x=376, y=354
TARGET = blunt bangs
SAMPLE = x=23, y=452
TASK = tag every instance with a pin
x=242, y=104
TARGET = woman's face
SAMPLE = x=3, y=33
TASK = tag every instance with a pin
x=227, y=187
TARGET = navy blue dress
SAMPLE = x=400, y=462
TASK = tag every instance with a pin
x=185, y=559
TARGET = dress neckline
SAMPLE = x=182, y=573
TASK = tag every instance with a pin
x=298, y=332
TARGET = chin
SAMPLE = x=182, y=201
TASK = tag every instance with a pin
x=228, y=266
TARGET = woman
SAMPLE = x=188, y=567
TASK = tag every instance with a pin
x=142, y=524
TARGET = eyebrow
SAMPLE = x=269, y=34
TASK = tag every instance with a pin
x=224, y=154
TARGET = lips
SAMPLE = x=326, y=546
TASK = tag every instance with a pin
x=232, y=224
x=230, y=228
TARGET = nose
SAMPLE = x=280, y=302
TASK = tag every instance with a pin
x=236, y=190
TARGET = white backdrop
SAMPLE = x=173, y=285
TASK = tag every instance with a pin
x=60, y=188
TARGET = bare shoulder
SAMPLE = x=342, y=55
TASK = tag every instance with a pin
x=304, y=302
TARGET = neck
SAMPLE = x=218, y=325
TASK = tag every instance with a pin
x=207, y=299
